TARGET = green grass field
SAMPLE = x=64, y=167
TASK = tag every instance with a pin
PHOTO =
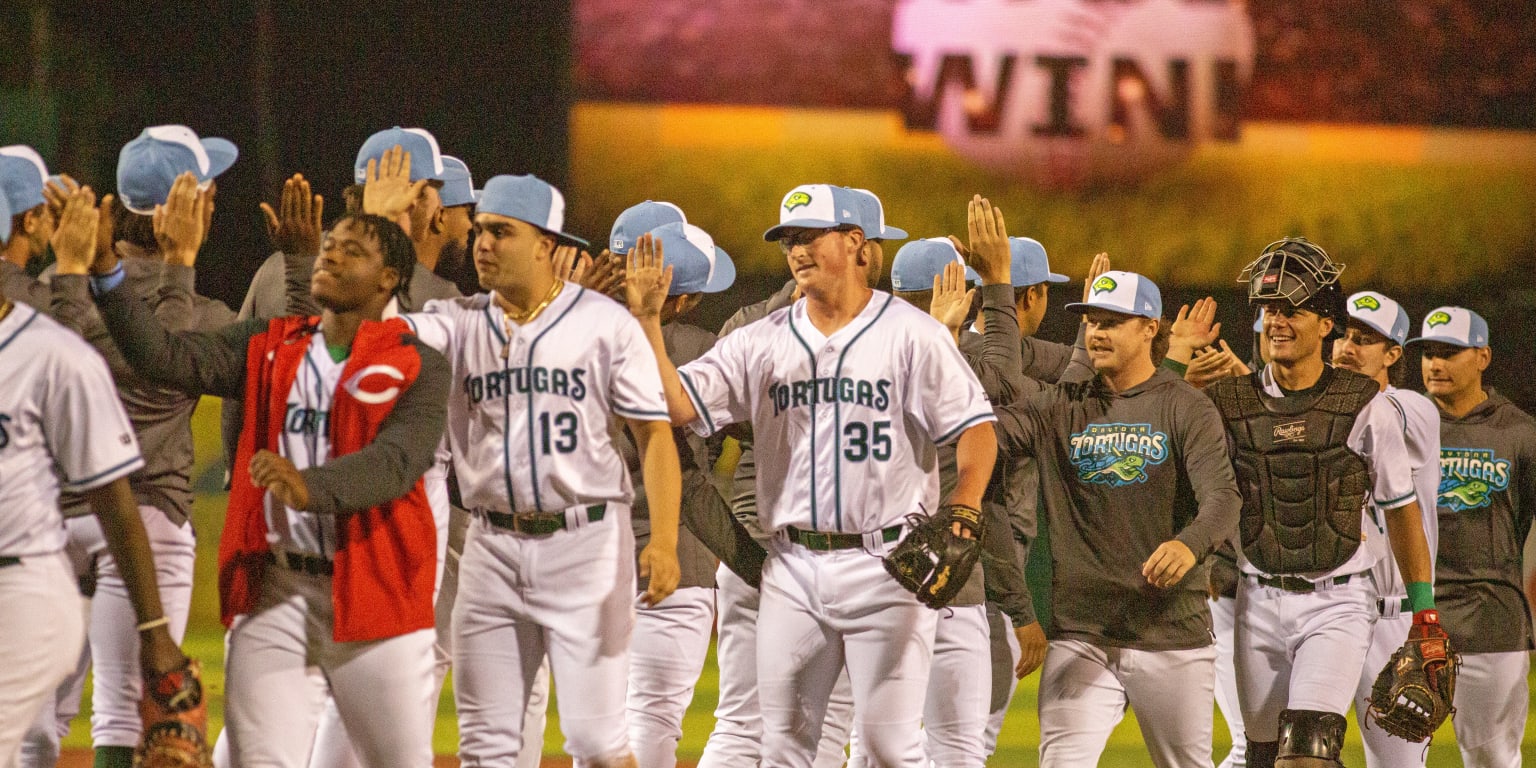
x=1017, y=746
x=1402, y=207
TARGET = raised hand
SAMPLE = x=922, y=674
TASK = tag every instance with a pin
x=1099, y=266
x=1210, y=365
x=180, y=223
x=951, y=298
x=1194, y=328
x=280, y=478
x=388, y=190
x=295, y=226
x=565, y=261
x=74, y=239
x=645, y=280
x=606, y=275
x=988, y=250
x=56, y=194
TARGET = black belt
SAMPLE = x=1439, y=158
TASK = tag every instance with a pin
x=314, y=565
x=6, y=562
x=1403, y=607
x=540, y=523
x=1297, y=584
x=824, y=541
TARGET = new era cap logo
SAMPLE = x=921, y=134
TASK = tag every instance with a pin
x=1438, y=318
x=1104, y=284
x=1367, y=302
x=796, y=200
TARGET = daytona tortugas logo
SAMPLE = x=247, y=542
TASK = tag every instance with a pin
x=796, y=200
x=1104, y=285
x=1117, y=454
x=1367, y=302
x=1469, y=477
x=1438, y=318
x=1067, y=92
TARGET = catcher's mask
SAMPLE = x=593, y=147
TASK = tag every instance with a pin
x=1301, y=273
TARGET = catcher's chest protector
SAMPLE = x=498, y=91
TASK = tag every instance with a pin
x=1303, y=488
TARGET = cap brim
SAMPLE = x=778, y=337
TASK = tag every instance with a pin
x=1451, y=340
x=1081, y=307
x=1383, y=332
x=571, y=239
x=725, y=272
x=1052, y=277
x=775, y=233
x=222, y=153
x=892, y=233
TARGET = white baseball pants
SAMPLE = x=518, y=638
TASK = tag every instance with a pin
x=736, y=741
x=1223, y=624
x=44, y=631
x=569, y=594
x=1382, y=749
x=819, y=612
x=1492, y=700
x=1085, y=688
x=666, y=654
x=282, y=655
x=1299, y=651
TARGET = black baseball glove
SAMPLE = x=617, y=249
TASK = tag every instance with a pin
x=933, y=561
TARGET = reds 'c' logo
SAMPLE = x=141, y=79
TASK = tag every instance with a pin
x=354, y=385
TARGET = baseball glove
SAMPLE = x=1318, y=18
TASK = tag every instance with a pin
x=175, y=721
x=932, y=561
x=1412, y=696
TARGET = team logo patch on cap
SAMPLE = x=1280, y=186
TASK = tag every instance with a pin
x=796, y=200
x=1104, y=284
x=1367, y=302
x=1438, y=318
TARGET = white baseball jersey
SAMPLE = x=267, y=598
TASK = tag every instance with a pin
x=306, y=442
x=844, y=426
x=530, y=405
x=1378, y=435
x=61, y=426
x=1419, y=420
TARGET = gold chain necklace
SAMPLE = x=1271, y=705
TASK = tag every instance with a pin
x=523, y=317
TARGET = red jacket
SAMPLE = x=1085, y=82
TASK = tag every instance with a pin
x=385, y=562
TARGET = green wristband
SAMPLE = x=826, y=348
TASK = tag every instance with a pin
x=1421, y=596
x=1175, y=366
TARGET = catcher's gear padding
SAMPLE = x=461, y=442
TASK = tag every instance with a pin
x=933, y=562
x=175, y=717
x=1414, y=693
x=1310, y=733
x=1300, y=272
x=1261, y=754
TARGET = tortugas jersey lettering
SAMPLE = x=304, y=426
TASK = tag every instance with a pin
x=802, y=393
x=561, y=382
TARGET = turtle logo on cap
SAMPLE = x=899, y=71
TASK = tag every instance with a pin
x=1104, y=284
x=796, y=200
x=1438, y=318
x=1367, y=302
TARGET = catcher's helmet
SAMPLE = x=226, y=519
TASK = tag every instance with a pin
x=1300, y=272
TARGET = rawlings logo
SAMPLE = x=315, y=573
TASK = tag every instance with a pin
x=354, y=385
x=1438, y=318
x=796, y=200
x=1105, y=284
x=1367, y=302
x=1291, y=432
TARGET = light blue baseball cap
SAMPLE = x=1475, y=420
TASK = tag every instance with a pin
x=528, y=199
x=1125, y=292
x=426, y=158
x=1030, y=266
x=148, y=165
x=5, y=220
x=1457, y=326
x=872, y=217
x=919, y=261
x=698, y=265
x=458, y=185
x=817, y=206
x=22, y=176
x=1380, y=314
x=639, y=219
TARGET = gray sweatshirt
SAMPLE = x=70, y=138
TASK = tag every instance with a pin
x=1486, y=499
x=1124, y=473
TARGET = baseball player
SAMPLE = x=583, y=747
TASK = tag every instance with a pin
x=1485, y=498
x=1324, y=446
x=1138, y=490
x=849, y=391
x=23, y=177
x=671, y=638
x=549, y=563
x=327, y=400
x=955, y=713
x=164, y=166
x=736, y=740
x=62, y=428
x=1373, y=345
